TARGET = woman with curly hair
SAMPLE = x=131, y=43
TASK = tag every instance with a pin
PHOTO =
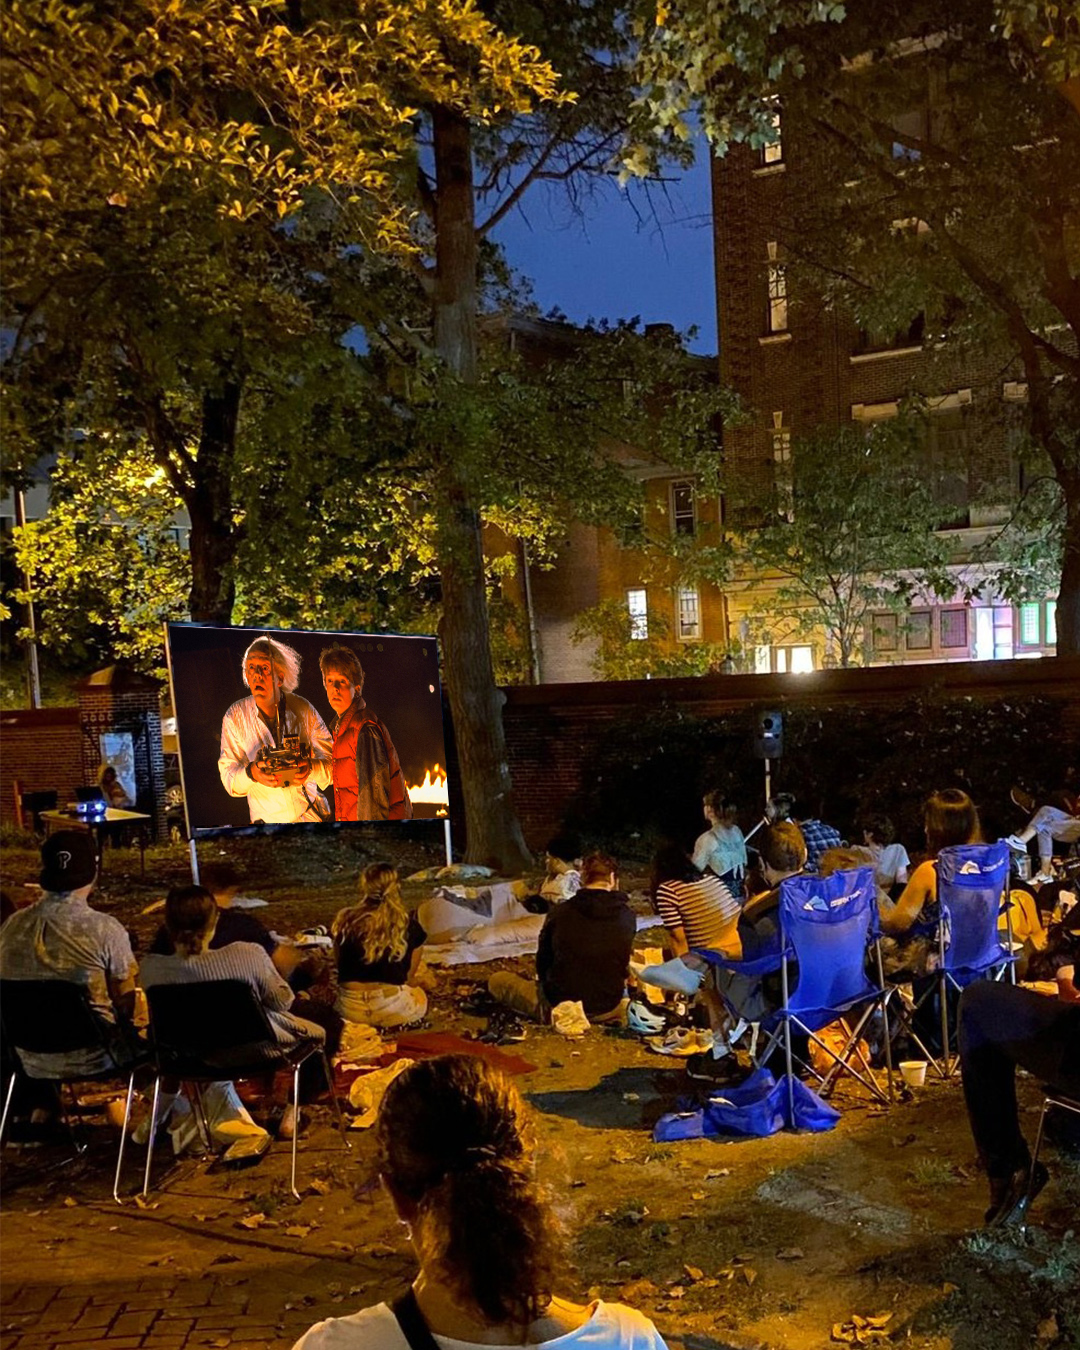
x=456, y=1156
x=378, y=948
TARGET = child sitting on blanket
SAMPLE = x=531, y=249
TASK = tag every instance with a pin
x=378, y=948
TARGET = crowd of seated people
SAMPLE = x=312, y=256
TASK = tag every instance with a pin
x=708, y=903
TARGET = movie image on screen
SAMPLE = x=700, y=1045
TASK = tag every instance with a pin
x=291, y=726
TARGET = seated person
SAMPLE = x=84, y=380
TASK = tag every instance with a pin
x=562, y=859
x=457, y=1156
x=1021, y=916
x=1047, y=824
x=192, y=915
x=379, y=953
x=698, y=910
x=891, y=861
x=60, y=937
x=783, y=854
x=1001, y=1027
x=583, y=952
x=112, y=790
x=910, y=926
x=222, y=880
x=722, y=848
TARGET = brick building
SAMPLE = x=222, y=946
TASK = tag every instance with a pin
x=798, y=367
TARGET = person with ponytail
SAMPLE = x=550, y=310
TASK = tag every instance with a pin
x=378, y=947
x=456, y=1159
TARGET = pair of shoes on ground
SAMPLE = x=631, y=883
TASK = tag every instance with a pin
x=680, y=1042
x=1011, y=1196
x=503, y=1028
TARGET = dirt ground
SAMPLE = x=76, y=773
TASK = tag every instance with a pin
x=770, y=1243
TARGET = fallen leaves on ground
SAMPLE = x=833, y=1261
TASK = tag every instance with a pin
x=862, y=1330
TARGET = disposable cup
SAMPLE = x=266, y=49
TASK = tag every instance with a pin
x=913, y=1072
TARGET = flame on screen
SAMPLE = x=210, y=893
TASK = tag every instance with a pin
x=432, y=790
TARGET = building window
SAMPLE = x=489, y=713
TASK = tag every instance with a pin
x=886, y=632
x=773, y=153
x=1051, y=623
x=783, y=660
x=954, y=628
x=776, y=315
x=637, y=606
x=782, y=471
x=919, y=630
x=688, y=607
x=1029, y=628
x=682, y=508
x=912, y=126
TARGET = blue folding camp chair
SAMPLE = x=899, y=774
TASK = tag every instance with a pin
x=972, y=894
x=827, y=926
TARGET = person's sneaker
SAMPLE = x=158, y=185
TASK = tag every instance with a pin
x=1016, y=844
x=1011, y=1196
x=1024, y=800
x=1043, y=878
x=681, y=1042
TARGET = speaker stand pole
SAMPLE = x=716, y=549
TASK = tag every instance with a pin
x=446, y=841
x=768, y=781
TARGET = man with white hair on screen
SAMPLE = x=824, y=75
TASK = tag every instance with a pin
x=275, y=717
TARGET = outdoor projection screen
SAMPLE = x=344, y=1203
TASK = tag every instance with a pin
x=222, y=729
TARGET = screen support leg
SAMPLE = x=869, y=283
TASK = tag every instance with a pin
x=446, y=841
x=194, y=860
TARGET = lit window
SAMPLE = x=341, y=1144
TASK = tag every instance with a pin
x=688, y=604
x=792, y=660
x=1051, y=623
x=773, y=153
x=777, y=312
x=782, y=475
x=1030, y=625
x=886, y=631
x=682, y=508
x=638, y=608
x=954, y=628
x=918, y=631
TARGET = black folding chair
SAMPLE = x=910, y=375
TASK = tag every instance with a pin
x=56, y=1017
x=215, y=1030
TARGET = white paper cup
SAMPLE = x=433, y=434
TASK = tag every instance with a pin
x=913, y=1072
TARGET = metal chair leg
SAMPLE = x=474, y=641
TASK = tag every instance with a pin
x=151, y=1137
x=7, y=1105
x=199, y=1107
x=123, y=1138
x=296, y=1128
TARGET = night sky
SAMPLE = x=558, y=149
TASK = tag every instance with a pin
x=610, y=262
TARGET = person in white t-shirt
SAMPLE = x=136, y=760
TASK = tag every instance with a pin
x=456, y=1159
x=891, y=861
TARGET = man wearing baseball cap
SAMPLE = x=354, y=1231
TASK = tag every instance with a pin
x=60, y=937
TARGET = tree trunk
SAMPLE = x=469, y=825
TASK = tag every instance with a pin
x=214, y=537
x=1068, y=603
x=493, y=835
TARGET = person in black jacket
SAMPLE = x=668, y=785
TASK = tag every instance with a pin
x=583, y=952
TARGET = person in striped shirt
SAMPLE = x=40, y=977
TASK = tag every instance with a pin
x=698, y=909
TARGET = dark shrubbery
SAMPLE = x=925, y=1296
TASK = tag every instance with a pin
x=841, y=761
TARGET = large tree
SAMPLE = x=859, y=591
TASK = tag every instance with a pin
x=945, y=142
x=844, y=535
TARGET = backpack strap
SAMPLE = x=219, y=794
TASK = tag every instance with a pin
x=411, y=1321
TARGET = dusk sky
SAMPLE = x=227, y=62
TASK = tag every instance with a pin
x=614, y=262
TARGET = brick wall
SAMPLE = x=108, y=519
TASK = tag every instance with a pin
x=554, y=733
x=42, y=749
